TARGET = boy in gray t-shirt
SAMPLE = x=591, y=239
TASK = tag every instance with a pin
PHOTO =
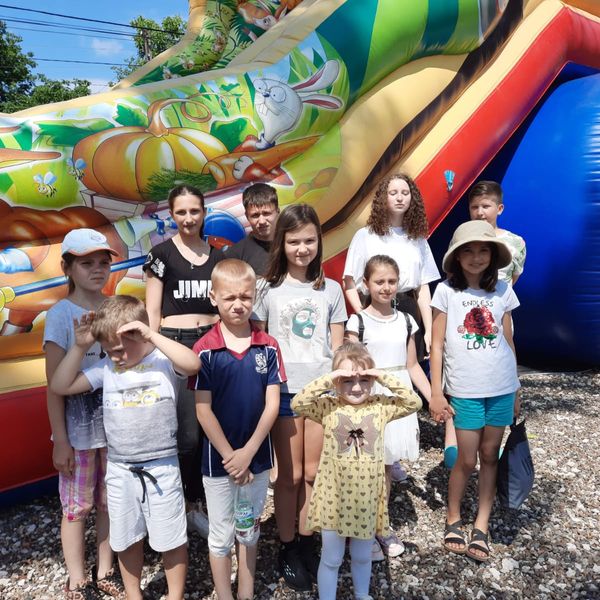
x=139, y=402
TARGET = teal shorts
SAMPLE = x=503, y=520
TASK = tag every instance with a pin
x=476, y=413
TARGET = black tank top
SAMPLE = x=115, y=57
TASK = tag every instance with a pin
x=185, y=286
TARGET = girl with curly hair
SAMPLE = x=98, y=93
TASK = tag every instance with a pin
x=473, y=363
x=397, y=227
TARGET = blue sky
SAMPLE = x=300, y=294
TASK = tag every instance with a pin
x=83, y=45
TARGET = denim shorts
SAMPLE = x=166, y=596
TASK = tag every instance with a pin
x=476, y=413
x=285, y=408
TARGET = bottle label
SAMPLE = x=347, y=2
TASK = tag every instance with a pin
x=244, y=517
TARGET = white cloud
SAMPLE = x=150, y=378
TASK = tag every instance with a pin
x=106, y=47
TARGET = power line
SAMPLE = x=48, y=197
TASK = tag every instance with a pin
x=44, y=12
x=83, y=62
x=64, y=26
x=98, y=37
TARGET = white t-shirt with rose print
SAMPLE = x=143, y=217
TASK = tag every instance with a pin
x=478, y=362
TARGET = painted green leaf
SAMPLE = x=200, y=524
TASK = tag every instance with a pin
x=232, y=133
x=131, y=116
x=68, y=131
x=5, y=182
x=24, y=138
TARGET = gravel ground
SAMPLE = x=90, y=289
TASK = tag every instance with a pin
x=549, y=549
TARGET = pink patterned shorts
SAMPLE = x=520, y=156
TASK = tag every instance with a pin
x=86, y=488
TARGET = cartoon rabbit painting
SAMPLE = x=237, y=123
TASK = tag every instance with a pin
x=279, y=105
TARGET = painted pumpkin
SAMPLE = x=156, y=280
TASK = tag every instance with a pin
x=122, y=160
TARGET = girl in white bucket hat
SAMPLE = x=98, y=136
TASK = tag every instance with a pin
x=473, y=364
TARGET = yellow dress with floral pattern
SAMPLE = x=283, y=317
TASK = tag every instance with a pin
x=349, y=492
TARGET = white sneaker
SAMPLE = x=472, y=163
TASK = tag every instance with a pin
x=376, y=552
x=397, y=473
x=197, y=521
x=391, y=545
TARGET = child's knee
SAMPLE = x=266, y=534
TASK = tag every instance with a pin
x=488, y=454
x=466, y=462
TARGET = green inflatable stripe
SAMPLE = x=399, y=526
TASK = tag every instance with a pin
x=441, y=22
x=349, y=30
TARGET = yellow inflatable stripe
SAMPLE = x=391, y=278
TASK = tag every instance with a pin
x=455, y=117
x=22, y=374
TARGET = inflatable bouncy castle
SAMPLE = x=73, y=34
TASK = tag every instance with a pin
x=320, y=98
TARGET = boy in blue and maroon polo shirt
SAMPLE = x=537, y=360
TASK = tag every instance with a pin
x=237, y=402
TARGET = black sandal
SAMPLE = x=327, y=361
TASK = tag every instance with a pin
x=453, y=534
x=479, y=542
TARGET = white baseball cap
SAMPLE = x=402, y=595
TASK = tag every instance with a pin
x=85, y=241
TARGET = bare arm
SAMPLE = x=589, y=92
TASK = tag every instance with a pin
x=352, y=293
x=337, y=335
x=62, y=452
x=417, y=375
x=68, y=379
x=210, y=424
x=507, y=326
x=185, y=361
x=240, y=460
x=424, y=303
x=154, y=294
x=438, y=405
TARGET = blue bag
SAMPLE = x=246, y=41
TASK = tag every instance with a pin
x=515, y=468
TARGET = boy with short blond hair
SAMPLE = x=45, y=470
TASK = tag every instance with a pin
x=139, y=380
x=237, y=402
x=486, y=204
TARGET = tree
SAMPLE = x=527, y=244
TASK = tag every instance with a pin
x=150, y=42
x=20, y=88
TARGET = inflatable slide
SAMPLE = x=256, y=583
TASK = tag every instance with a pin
x=321, y=98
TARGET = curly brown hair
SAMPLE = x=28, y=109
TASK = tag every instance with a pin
x=415, y=220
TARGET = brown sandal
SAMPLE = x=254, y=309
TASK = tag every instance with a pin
x=453, y=534
x=479, y=541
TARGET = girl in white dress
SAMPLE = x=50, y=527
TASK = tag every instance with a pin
x=388, y=334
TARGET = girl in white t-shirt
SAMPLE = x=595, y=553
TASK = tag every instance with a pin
x=472, y=340
x=397, y=227
x=389, y=334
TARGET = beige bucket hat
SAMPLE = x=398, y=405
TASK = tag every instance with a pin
x=476, y=231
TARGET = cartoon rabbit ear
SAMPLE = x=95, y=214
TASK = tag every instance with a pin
x=323, y=78
x=323, y=101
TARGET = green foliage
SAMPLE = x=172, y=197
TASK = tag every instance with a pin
x=151, y=43
x=67, y=132
x=128, y=116
x=20, y=88
x=233, y=133
x=163, y=181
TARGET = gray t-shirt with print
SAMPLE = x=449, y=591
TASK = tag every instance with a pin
x=83, y=412
x=140, y=415
x=298, y=317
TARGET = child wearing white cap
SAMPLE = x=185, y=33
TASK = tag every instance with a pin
x=79, y=453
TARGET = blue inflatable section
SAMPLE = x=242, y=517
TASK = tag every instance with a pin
x=550, y=173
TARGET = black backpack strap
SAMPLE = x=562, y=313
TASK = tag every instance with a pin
x=361, y=327
x=408, y=327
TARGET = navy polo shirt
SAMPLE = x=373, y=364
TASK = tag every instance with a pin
x=238, y=384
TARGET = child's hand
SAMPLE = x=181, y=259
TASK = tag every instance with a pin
x=373, y=373
x=83, y=330
x=136, y=331
x=341, y=373
x=238, y=462
x=245, y=478
x=439, y=408
x=63, y=458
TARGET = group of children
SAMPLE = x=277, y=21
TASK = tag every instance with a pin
x=283, y=373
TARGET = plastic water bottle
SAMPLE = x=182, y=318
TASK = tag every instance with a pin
x=243, y=512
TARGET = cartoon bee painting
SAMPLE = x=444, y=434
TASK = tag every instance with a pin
x=44, y=184
x=76, y=168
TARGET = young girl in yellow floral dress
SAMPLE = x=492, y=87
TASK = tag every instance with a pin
x=349, y=496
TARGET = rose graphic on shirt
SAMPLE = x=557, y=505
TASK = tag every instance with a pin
x=479, y=325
